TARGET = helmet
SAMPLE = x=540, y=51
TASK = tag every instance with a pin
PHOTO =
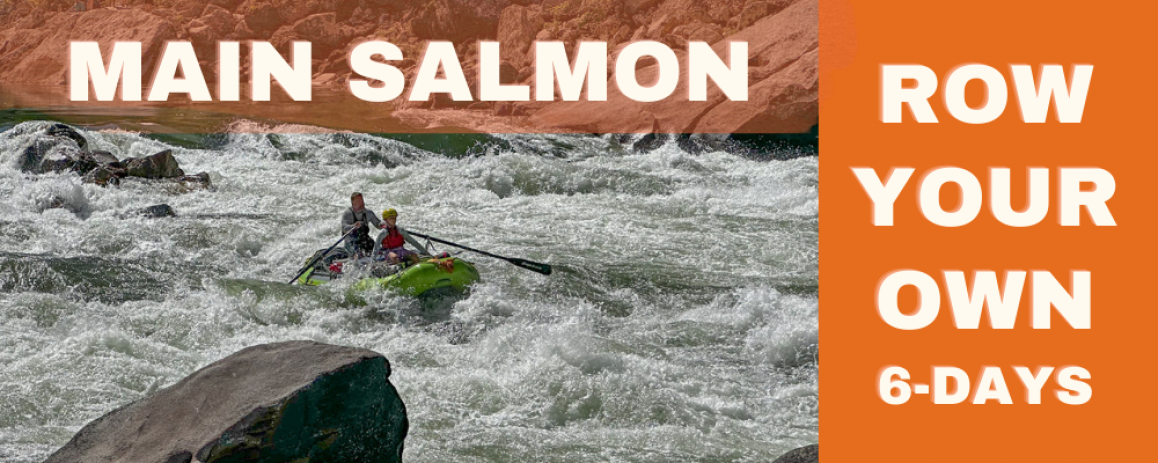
x=389, y=213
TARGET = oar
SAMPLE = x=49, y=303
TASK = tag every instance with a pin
x=313, y=261
x=524, y=263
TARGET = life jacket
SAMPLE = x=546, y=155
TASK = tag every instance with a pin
x=393, y=239
x=364, y=230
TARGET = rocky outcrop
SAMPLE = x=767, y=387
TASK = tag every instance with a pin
x=63, y=149
x=41, y=55
x=290, y=401
x=806, y=454
x=782, y=36
x=783, y=88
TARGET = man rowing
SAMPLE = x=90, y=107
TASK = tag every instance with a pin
x=357, y=219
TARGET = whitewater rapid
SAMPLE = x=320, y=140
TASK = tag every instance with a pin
x=681, y=323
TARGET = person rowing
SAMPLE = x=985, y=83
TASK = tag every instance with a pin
x=391, y=242
x=358, y=219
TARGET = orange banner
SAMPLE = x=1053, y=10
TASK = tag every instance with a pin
x=859, y=39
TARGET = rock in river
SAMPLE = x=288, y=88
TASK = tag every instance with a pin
x=159, y=165
x=290, y=401
x=806, y=454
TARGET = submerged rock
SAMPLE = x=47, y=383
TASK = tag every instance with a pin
x=158, y=211
x=806, y=454
x=289, y=401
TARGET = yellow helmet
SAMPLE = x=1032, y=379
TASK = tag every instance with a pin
x=389, y=213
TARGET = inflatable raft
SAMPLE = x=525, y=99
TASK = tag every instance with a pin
x=430, y=273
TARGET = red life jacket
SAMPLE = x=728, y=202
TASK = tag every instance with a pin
x=393, y=239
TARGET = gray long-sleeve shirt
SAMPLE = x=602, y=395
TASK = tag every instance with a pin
x=349, y=218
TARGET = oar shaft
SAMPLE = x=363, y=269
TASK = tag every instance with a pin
x=448, y=243
x=523, y=263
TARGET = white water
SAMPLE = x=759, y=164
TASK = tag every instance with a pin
x=680, y=323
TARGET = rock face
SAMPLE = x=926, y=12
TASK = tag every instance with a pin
x=807, y=454
x=784, y=94
x=782, y=36
x=41, y=55
x=291, y=401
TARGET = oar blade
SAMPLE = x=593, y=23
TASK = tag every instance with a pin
x=531, y=265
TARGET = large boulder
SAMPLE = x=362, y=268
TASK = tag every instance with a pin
x=290, y=401
x=159, y=165
x=806, y=454
x=61, y=149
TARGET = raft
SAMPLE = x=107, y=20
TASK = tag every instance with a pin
x=425, y=276
x=430, y=273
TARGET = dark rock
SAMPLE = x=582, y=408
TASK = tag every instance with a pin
x=61, y=130
x=45, y=156
x=806, y=454
x=159, y=165
x=105, y=158
x=104, y=176
x=290, y=401
x=649, y=143
x=180, y=457
x=262, y=18
x=158, y=211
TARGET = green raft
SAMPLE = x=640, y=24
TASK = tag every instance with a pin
x=454, y=275
x=419, y=278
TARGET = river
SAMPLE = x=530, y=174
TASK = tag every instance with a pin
x=680, y=324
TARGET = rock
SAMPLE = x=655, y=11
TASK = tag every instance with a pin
x=322, y=31
x=189, y=9
x=806, y=454
x=104, y=176
x=61, y=130
x=449, y=20
x=105, y=158
x=517, y=30
x=45, y=156
x=157, y=211
x=289, y=401
x=229, y=5
x=262, y=18
x=649, y=142
x=159, y=165
x=783, y=88
x=47, y=62
x=220, y=20
x=204, y=38
x=758, y=10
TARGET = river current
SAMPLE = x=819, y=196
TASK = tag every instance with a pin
x=680, y=324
